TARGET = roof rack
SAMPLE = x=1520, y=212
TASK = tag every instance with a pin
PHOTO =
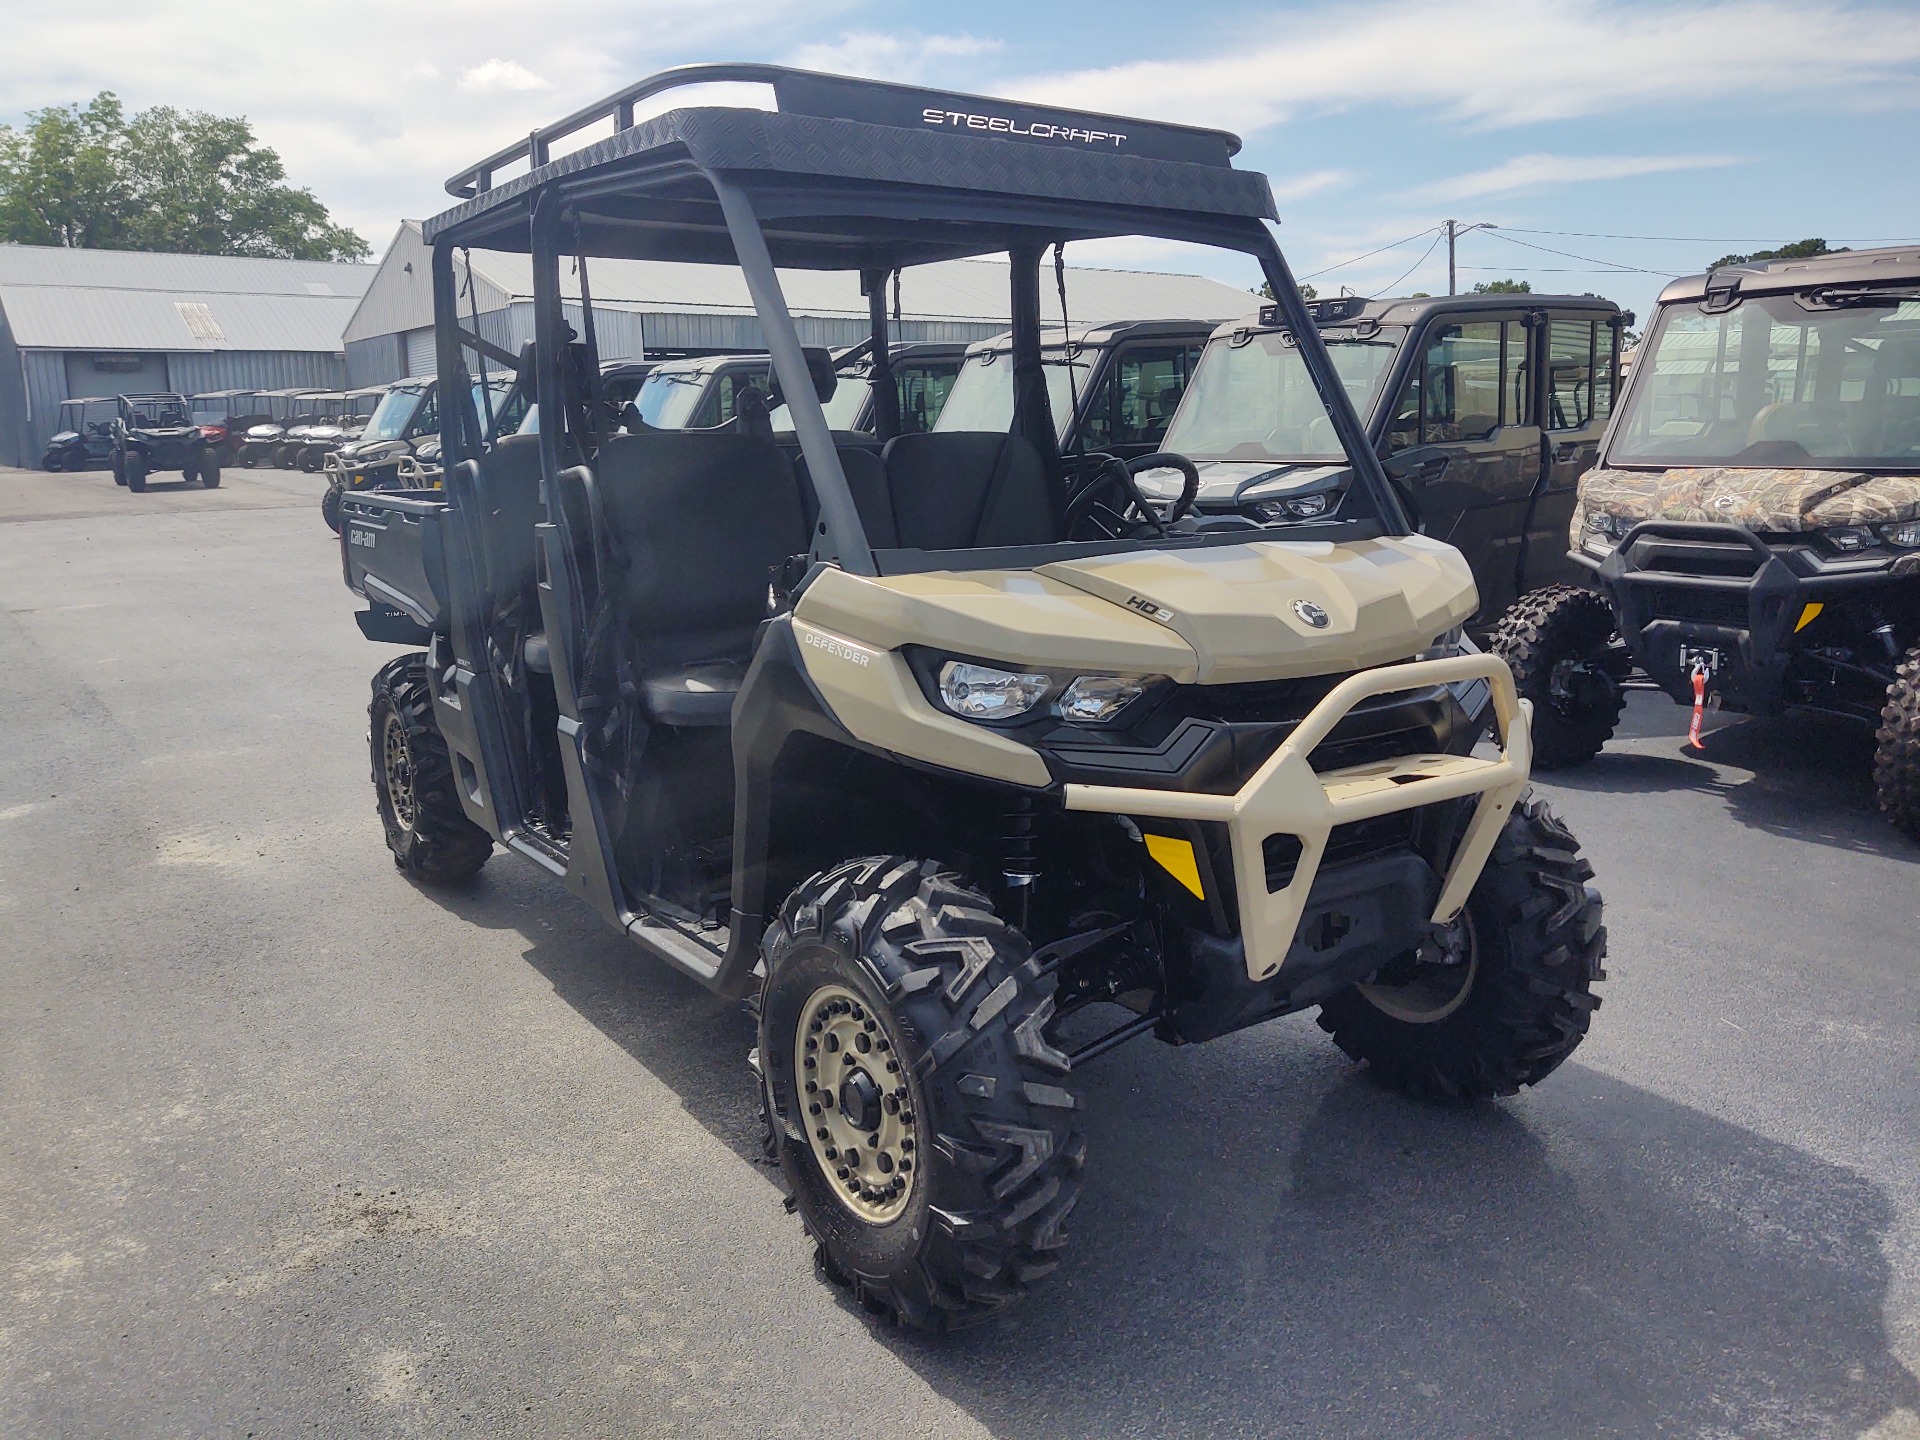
x=872, y=102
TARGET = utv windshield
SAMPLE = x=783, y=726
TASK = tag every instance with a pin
x=1256, y=401
x=668, y=398
x=390, y=419
x=982, y=393
x=842, y=411
x=1822, y=380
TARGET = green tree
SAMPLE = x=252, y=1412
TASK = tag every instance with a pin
x=1504, y=287
x=1797, y=250
x=1265, y=292
x=171, y=180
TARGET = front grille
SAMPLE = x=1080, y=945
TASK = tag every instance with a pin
x=1341, y=751
x=1700, y=605
x=1673, y=555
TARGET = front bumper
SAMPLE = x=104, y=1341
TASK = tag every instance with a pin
x=1286, y=797
x=1682, y=586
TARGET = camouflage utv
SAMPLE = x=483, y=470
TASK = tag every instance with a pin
x=1754, y=521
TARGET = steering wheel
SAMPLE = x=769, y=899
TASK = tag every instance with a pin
x=1112, y=504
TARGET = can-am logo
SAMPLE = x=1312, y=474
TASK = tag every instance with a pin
x=1007, y=125
x=1311, y=613
x=368, y=538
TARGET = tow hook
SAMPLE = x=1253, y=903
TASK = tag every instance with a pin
x=1704, y=665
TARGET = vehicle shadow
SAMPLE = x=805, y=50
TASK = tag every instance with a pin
x=1270, y=1244
x=1805, y=777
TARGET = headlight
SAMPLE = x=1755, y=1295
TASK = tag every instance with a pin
x=980, y=692
x=1906, y=536
x=1849, y=538
x=1454, y=642
x=1300, y=507
x=1091, y=699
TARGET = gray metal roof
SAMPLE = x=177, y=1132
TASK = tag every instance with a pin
x=61, y=299
x=967, y=290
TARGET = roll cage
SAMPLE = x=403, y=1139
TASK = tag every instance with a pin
x=851, y=175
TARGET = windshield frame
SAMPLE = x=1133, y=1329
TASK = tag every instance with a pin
x=415, y=394
x=1639, y=379
x=1059, y=359
x=1391, y=338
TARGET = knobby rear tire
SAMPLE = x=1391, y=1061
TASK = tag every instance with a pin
x=1000, y=1153
x=431, y=838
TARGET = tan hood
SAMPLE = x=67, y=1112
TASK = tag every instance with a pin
x=1767, y=500
x=1209, y=616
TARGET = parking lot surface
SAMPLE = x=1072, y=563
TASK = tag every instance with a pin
x=292, y=1146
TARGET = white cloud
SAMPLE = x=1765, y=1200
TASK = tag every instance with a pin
x=891, y=57
x=1530, y=172
x=497, y=74
x=1299, y=187
x=1514, y=62
x=374, y=140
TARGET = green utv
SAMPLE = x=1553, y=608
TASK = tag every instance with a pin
x=1752, y=527
x=963, y=761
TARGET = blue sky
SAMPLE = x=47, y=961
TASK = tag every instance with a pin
x=1728, y=126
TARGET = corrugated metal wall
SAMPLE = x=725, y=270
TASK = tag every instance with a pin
x=374, y=362
x=195, y=371
x=45, y=376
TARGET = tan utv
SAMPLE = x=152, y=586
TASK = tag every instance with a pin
x=1752, y=527
x=961, y=759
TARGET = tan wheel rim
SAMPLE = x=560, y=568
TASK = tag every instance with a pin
x=399, y=766
x=856, y=1102
x=1440, y=984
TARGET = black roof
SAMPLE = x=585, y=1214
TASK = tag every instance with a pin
x=1895, y=264
x=1411, y=310
x=1054, y=336
x=857, y=173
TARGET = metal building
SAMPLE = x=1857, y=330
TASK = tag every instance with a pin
x=111, y=322
x=656, y=308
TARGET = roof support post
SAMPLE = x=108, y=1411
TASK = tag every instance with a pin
x=886, y=395
x=457, y=438
x=1033, y=416
x=549, y=331
x=839, y=538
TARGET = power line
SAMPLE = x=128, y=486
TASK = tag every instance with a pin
x=1370, y=254
x=1705, y=239
x=1614, y=265
x=1416, y=264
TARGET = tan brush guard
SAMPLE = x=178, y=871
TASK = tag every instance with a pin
x=1285, y=797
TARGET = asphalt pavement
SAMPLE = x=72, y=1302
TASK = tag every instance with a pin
x=290, y=1146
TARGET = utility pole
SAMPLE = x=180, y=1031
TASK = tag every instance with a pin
x=1454, y=231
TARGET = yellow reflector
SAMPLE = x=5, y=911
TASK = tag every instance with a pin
x=1176, y=858
x=1809, y=615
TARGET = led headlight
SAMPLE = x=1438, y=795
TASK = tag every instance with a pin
x=1849, y=538
x=1091, y=699
x=1300, y=507
x=980, y=692
x=1906, y=536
